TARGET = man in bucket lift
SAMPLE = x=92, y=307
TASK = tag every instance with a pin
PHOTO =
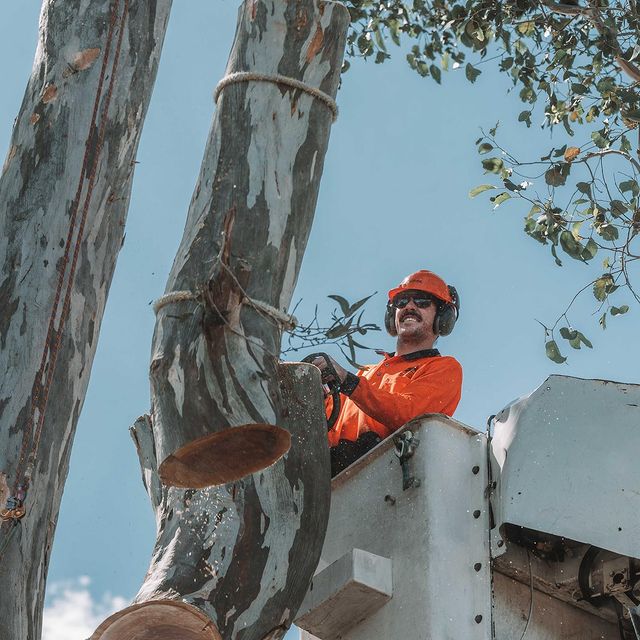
x=414, y=380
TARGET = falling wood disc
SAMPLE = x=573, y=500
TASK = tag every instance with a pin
x=157, y=620
x=225, y=456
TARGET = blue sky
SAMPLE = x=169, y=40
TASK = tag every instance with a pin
x=393, y=199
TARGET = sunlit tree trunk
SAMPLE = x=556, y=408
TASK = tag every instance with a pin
x=216, y=405
x=234, y=561
x=64, y=194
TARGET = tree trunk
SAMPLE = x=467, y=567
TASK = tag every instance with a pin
x=64, y=194
x=235, y=561
x=217, y=411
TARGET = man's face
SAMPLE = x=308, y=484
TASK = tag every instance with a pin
x=414, y=322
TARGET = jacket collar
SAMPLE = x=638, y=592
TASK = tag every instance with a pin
x=415, y=355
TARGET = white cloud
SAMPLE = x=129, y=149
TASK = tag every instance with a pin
x=71, y=613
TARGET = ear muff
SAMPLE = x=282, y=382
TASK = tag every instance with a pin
x=444, y=322
x=447, y=314
x=390, y=319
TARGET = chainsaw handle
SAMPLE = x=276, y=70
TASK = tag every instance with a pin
x=332, y=384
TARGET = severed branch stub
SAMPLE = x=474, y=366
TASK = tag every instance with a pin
x=217, y=408
x=235, y=561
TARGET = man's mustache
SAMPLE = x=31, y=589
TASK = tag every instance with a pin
x=410, y=314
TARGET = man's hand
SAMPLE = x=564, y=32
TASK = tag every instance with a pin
x=322, y=365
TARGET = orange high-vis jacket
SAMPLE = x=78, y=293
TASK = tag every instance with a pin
x=396, y=390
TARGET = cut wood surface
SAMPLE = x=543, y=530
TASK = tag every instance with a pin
x=64, y=195
x=237, y=558
x=217, y=410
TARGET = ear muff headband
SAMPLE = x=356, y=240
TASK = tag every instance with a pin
x=443, y=323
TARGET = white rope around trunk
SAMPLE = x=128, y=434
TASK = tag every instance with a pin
x=250, y=76
x=284, y=320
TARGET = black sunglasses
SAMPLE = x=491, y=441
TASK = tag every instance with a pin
x=421, y=301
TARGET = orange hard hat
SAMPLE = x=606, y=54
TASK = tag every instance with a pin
x=426, y=281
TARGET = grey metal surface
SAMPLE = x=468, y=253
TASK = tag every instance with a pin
x=550, y=618
x=565, y=462
x=346, y=592
x=436, y=534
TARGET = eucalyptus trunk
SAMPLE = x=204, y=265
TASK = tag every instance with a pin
x=64, y=194
x=217, y=410
x=235, y=561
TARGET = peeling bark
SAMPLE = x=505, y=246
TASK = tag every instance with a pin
x=217, y=410
x=241, y=555
x=64, y=195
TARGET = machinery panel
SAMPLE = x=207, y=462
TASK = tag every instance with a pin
x=564, y=460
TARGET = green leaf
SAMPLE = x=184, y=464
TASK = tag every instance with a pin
x=575, y=343
x=480, y=189
x=607, y=231
x=525, y=116
x=492, y=165
x=618, y=208
x=586, y=342
x=618, y=311
x=602, y=287
x=553, y=353
x=472, y=74
x=589, y=251
x=600, y=139
x=485, y=147
x=570, y=245
x=584, y=187
x=560, y=152
x=499, y=199
x=555, y=255
x=436, y=73
x=629, y=185
x=556, y=176
x=603, y=321
x=343, y=302
x=568, y=334
x=492, y=131
x=632, y=114
x=356, y=305
x=578, y=88
x=339, y=330
x=625, y=145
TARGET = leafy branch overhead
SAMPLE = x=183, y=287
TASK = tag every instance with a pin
x=574, y=64
x=346, y=323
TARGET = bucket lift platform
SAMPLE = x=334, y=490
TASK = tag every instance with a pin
x=458, y=551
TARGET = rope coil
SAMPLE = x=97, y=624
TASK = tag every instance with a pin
x=276, y=78
x=285, y=320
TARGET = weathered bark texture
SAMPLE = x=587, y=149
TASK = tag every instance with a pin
x=64, y=194
x=242, y=555
x=217, y=414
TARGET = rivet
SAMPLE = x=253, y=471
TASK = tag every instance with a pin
x=500, y=543
x=477, y=566
x=478, y=618
x=475, y=470
x=390, y=499
x=476, y=513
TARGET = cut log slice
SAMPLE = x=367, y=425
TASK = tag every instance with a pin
x=158, y=620
x=225, y=456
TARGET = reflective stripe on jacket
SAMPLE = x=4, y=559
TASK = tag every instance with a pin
x=396, y=390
